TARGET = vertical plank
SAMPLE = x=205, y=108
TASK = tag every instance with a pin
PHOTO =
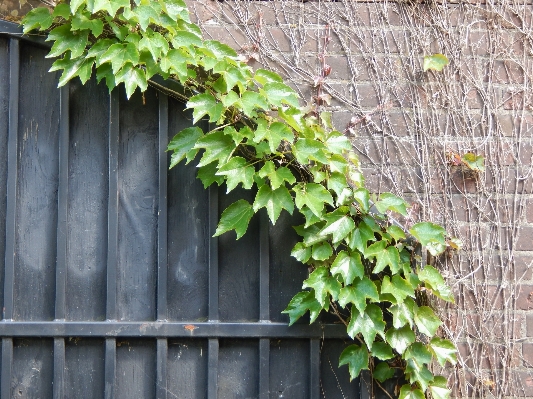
x=213, y=254
x=112, y=207
x=162, y=214
x=187, y=369
x=212, y=369
x=84, y=368
x=264, y=268
x=59, y=368
x=238, y=373
x=314, y=368
x=110, y=368
x=136, y=371
x=11, y=200
x=264, y=368
x=62, y=208
x=12, y=169
x=162, y=368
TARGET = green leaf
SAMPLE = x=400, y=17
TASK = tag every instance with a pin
x=250, y=101
x=99, y=48
x=279, y=94
x=38, y=18
x=301, y=252
x=205, y=104
x=360, y=237
x=264, y=76
x=406, y=392
x=81, y=22
x=382, y=372
x=65, y=40
x=385, y=256
x=207, y=175
x=400, y=338
x=474, y=162
x=312, y=195
x=110, y=6
x=349, y=266
x=382, y=350
x=339, y=226
x=398, y=287
x=146, y=14
x=426, y=321
x=186, y=39
x=356, y=357
x=300, y=304
x=362, y=196
x=118, y=55
x=438, y=388
x=310, y=234
x=75, y=4
x=418, y=353
x=220, y=50
x=403, y=313
x=274, y=133
x=358, y=293
x=418, y=374
x=443, y=350
x=338, y=143
x=369, y=323
x=155, y=43
x=324, y=285
x=274, y=201
x=396, y=232
x=183, y=144
x=322, y=251
x=218, y=147
x=106, y=72
x=61, y=10
x=176, y=9
x=306, y=150
x=276, y=176
x=235, y=217
x=132, y=78
x=436, y=62
x=81, y=67
x=237, y=171
x=310, y=217
x=435, y=282
x=431, y=236
x=388, y=201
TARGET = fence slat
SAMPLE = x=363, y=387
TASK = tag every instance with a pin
x=213, y=254
x=59, y=368
x=212, y=369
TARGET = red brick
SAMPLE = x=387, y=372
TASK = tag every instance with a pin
x=524, y=300
x=529, y=325
x=525, y=239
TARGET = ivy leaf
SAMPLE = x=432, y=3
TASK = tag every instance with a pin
x=132, y=78
x=110, y=6
x=38, y=18
x=300, y=304
x=312, y=195
x=396, y=232
x=321, y=251
x=205, y=104
x=398, y=287
x=279, y=94
x=362, y=196
x=369, y=323
x=99, y=48
x=338, y=143
x=220, y=50
x=388, y=201
x=419, y=354
x=237, y=171
x=251, y=100
x=324, y=285
x=406, y=392
x=175, y=62
x=81, y=22
x=310, y=234
x=436, y=62
x=61, y=10
x=403, y=313
x=264, y=76
x=274, y=201
x=418, y=374
x=431, y=236
x=426, y=321
x=276, y=176
x=186, y=39
x=337, y=183
x=183, y=144
x=310, y=217
x=146, y=14
x=218, y=147
x=81, y=67
x=301, y=252
x=349, y=266
x=382, y=372
x=207, y=175
x=438, y=388
x=155, y=43
x=358, y=293
x=176, y=9
x=339, y=226
x=474, y=162
x=433, y=280
x=274, y=133
x=66, y=40
x=118, y=55
x=360, y=237
x=105, y=72
x=235, y=217
x=382, y=350
x=443, y=350
x=385, y=256
x=307, y=149
x=400, y=338
x=75, y=4
x=356, y=357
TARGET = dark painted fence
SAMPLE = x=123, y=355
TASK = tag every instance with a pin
x=111, y=285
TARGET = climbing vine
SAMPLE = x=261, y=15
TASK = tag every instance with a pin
x=365, y=265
